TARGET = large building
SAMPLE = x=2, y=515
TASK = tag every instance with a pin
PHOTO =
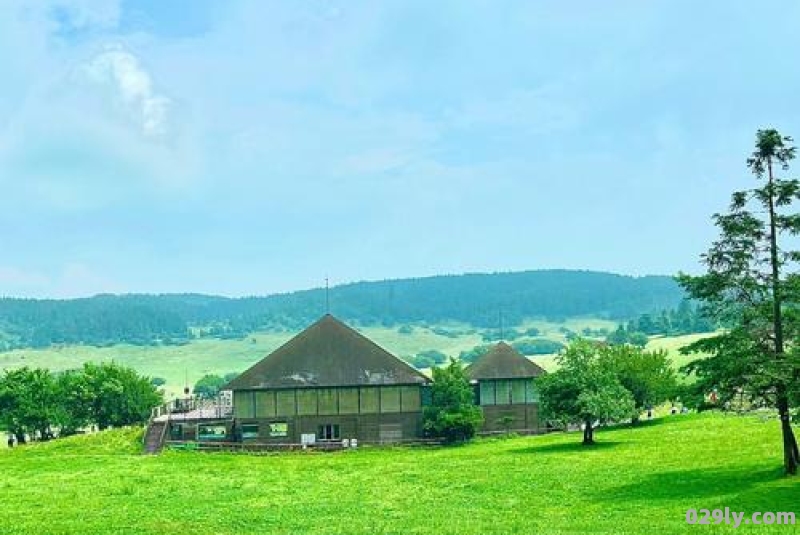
x=328, y=383
x=505, y=390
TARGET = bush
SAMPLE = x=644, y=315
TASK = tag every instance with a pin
x=452, y=414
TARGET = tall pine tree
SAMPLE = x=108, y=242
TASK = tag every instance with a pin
x=752, y=285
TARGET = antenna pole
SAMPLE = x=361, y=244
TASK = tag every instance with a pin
x=327, y=298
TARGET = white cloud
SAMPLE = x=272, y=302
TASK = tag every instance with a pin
x=134, y=88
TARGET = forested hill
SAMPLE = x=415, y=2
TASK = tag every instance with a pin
x=476, y=299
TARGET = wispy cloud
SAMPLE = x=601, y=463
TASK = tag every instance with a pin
x=79, y=15
x=134, y=88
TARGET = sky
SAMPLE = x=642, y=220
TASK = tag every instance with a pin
x=246, y=147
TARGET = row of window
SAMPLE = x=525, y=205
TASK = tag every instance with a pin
x=327, y=401
x=219, y=432
x=507, y=392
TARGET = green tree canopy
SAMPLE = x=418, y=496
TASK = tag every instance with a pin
x=647, y=375
x=585, y=389
x=208, y=386
x=117, y=395
x=452, y=414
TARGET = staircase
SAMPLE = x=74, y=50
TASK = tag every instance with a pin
x=154, y=436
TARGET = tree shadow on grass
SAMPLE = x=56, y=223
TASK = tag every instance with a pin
x=566, y=447
x=745, y=482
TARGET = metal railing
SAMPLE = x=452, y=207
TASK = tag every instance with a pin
x=194, y=408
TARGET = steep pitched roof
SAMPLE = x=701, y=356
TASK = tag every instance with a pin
x=503, y=362
x=328, y=353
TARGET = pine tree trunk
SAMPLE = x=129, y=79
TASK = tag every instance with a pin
x=791, y=456
x=790, y=453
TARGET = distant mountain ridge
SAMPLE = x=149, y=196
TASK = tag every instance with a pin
x=476, y=299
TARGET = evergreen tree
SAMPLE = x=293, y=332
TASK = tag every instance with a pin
x=751, y=284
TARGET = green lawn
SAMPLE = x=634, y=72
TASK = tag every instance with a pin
x=637, y=481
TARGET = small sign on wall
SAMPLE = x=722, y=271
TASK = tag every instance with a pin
x=308, y=438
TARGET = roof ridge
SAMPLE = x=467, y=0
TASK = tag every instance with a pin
x=328, y=353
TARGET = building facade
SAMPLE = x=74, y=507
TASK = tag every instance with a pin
x=504, y=388
x=328, y=383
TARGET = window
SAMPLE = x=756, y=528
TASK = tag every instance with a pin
x=249, y=431
x=390, y=398
x=328, y=432
x=285, y=403
x=176, y=432
x=307, y=401
x=410, y=398
x=348, y=401
x=328, y=401
x=264, y=404
x=518, y=390
x=369, y=400
x=211, y=432
x=487, y=392
x=278, y=429
x=531, y=395
x=503, y=395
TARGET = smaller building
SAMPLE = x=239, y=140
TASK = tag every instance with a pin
x=505, y=390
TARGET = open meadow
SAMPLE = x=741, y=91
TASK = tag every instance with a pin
x=635, y=481
x=179, y=363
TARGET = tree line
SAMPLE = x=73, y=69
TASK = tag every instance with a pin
x=475, y=299
x=39, y=404
x=685, y=319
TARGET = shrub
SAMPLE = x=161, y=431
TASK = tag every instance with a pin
x=452, y=414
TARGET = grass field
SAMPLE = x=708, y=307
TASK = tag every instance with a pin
x=673, y=344
x=176, y=364
x=636, y=481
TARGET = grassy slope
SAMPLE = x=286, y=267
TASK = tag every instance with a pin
x=176, y=363
x=673, y=344
x=636, y=481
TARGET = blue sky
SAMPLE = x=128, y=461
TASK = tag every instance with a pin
x=249, y=147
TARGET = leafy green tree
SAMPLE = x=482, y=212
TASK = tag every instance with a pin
x=627, y=335
x=585, y=389
x=208, y=386
x=647, y=375
x=452, y=414
x=74, y=399
x=751, y=284
x=117, y=395
x=28, y=403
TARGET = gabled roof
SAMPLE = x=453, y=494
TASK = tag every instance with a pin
x=328, y=353
x=503, y=362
